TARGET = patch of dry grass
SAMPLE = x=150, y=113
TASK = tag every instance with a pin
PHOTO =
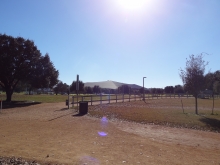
x=164, y=112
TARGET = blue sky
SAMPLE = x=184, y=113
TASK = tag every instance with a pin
x=106, y=40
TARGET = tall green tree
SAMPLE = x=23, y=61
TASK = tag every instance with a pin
x=125, y=89
x=212, y=83
x=73, y=86
x=169, y=89
x=96, y=89
x=61, y=88
x=46, y=74
x=178, y=89
x=20, y=60
x=193, y=76
x=88, y=90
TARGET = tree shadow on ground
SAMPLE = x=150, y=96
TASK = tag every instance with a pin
x=214, y=124
x=79, y=115
x=60, y=116
x=63, y=109
x=16, y=104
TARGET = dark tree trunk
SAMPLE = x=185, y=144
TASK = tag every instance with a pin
x=8, y=94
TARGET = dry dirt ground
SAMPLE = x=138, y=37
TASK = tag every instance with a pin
x=49, y=133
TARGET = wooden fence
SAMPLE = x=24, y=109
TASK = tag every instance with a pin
x=114, y=98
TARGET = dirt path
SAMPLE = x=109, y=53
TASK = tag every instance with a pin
x=51, y=133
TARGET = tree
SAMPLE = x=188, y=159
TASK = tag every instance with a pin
x=217, y=82
x=88, y=90
x=45, y=73
x=193, y=76
x=217, y=87
x=73, y=86
x=178, y=89
x=153, y=90
x=20, y=87
x=125, y=89
x=96, y=89
x=61, y=88
x=160, y=90
x=20, y=60
x=212, y=83
x=169, y=89
x=144, y=91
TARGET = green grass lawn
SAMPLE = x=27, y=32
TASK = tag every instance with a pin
x=164, y=112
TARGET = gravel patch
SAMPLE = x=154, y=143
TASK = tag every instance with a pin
x=16, y=161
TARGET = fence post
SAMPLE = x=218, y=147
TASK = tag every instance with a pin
x=129, y=97
x=91, y=99
x=116, y=98
x=123, y=97
x=72, y=101
x=135, y=97
x=82, y=98
x=100, y=98
x=1, y=104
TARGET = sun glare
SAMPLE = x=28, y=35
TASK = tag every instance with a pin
x=132, y=4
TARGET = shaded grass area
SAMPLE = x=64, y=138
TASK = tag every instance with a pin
x=15, y=104
x=36, y=98
x=164, y=112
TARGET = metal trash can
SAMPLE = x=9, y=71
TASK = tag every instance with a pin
x=67, y=102
x=83, y=107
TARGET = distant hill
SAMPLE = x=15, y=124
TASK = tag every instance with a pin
x=110, y=85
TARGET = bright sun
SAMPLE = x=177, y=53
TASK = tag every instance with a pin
x=132, y=4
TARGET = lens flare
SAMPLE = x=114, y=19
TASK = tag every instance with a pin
x=89, y=160
x=102, y=133
x=104, y=123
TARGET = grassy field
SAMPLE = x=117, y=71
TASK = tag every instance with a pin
x=44, y=98
x=164, y=112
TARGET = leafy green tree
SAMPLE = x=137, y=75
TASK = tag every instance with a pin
x=144, y=91
x=212, y=83
x=193, y=76
x=96, y=89
x=169, y=89
x=61, y=88
x=178, y=89
x=153, y=90
x=217, y=87
x=88, y=90
x=20, y=87
x=73, y=86
x=46, y=74
x=125, y=89
x=160, y=90
x=20, y=60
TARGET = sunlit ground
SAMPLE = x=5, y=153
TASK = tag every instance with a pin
x=170, y=112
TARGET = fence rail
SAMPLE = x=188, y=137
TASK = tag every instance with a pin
x=114, y=98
